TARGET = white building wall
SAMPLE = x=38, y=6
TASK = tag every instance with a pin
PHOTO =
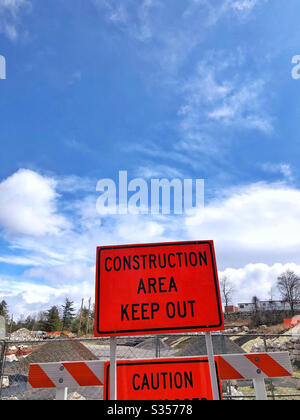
x=266, y=306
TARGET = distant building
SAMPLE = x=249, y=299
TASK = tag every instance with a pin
x=231, y=309
x=267, y=305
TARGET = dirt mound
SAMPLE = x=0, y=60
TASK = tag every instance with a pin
x=196, y=346
x=151, y=343
x=59, y=351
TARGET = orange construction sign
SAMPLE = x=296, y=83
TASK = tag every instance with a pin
x=157, y=288
x=162, y=379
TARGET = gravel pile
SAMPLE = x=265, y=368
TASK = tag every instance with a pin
x=60, y=351
x=22, y=335
x=196, y=345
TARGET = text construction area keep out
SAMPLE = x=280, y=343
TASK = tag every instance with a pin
x=153, y=288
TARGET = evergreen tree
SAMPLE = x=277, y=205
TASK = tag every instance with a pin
x=68, y=314
x=53, y=322
x=30, y=323
x=3, y=309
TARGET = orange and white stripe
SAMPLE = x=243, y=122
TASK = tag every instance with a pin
x=255, y=365
x=91, y=373
x=66, y=374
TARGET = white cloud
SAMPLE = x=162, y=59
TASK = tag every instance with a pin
x=215, y=11
x=28, y=205
x=62, y=275
x=40, y=288
x=10, y=11
x=283, y=169
x=134, y=19
x=256, y=230
x=12, y=6
x=16, y=260
x=256, y=280
x=243, y=107
x=148, y=231
x=256, y=223
x=158, y=171
x=174, y=31
x=27, y=297
x=242, y=5
x=74, y=184
x=210, y=102
x=252, y=223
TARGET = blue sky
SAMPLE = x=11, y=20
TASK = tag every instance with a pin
x=160, y=88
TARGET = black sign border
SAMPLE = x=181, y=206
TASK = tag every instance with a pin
x=153, y=330
x=145, y=362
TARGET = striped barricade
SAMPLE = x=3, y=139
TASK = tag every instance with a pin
x=255, y=366
x=64, y=375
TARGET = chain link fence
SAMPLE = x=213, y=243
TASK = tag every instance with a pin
x=16, y=357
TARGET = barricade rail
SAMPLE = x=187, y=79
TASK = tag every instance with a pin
x=16, y=357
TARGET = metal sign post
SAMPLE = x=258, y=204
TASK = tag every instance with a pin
x=212, y=366
x=113, y=368
x=260, y=389
x=61, y=394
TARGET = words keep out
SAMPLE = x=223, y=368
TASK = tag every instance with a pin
x=148, y=311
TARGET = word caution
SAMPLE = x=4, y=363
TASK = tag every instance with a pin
x=186, y=378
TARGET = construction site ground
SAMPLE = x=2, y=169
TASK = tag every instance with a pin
x=138, y=348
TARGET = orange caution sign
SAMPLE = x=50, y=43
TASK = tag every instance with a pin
x=162, y=379
x=157, y=288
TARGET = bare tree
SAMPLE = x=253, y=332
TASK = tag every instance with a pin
x=227, y=290
x=256, y=315
x=288, y=284
x=255, y=301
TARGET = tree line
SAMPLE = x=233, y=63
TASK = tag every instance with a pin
x=63, y=318
x=81, y=322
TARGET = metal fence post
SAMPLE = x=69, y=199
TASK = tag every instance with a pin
x=157, y=347
x=2, y=361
